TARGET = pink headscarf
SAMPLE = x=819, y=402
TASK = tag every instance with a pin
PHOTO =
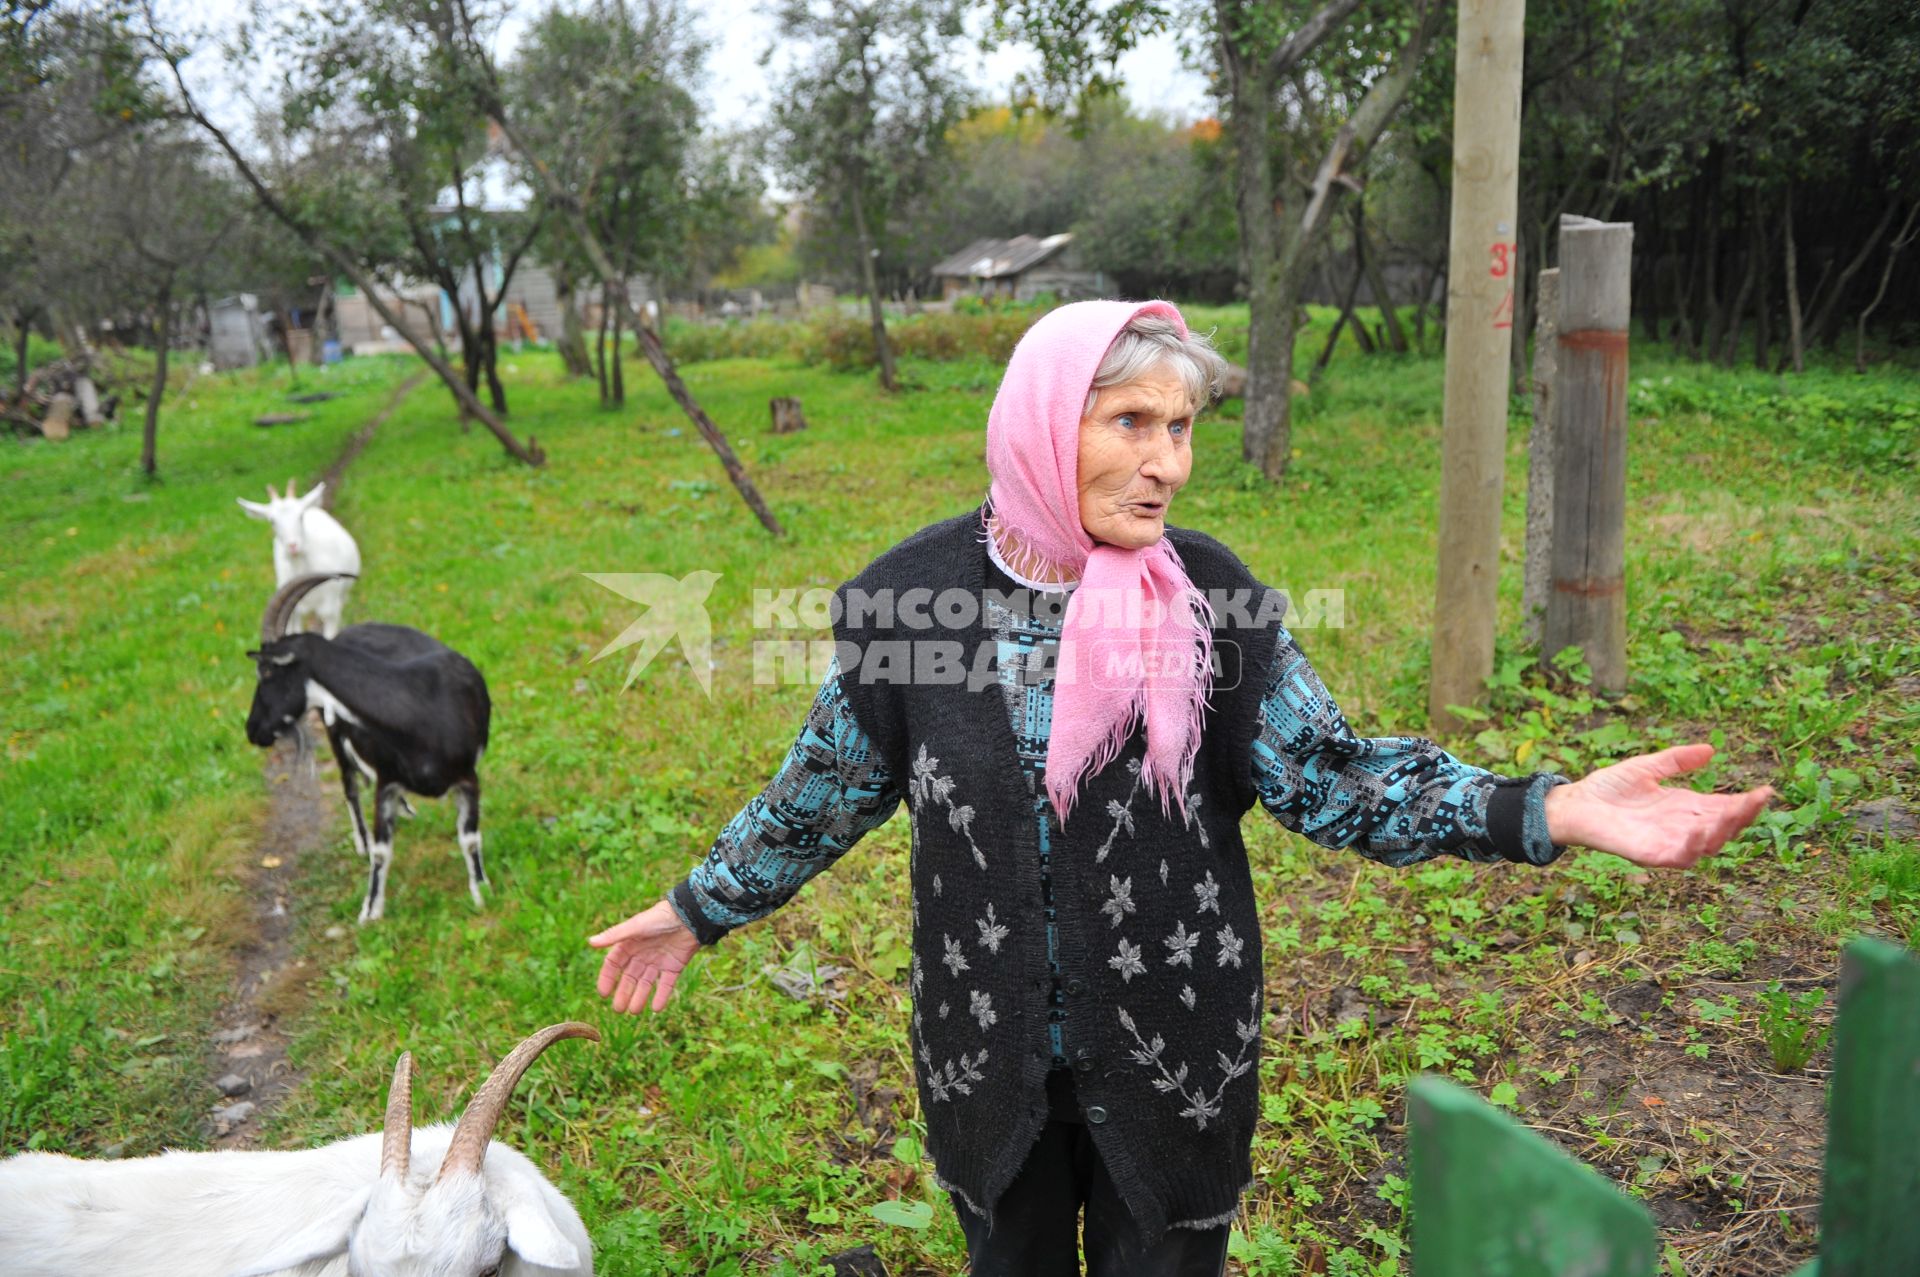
x=1132, y=606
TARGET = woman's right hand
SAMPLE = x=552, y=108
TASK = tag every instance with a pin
x=647, y=951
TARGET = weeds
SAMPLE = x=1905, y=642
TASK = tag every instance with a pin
x=1787, y=1025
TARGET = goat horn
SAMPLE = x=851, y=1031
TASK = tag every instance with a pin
x=475, y=1131
x=397, y=1144
x=273, y=624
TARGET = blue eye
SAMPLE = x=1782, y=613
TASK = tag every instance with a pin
x=1125, y=419
x=1180, y=429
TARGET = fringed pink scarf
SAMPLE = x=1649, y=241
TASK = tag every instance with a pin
x=1137, y=639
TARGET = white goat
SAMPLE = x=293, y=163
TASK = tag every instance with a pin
x=356, y=1208
x=306, y=540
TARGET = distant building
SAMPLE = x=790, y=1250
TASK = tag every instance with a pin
x=1020, y=268
x=237, y=336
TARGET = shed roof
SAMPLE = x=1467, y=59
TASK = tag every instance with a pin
x=1001, y=258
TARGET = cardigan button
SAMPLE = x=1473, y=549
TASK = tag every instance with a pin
x=1076, y=986
x=1096, y=1115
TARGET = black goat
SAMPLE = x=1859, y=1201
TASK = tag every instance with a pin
x=402, y=707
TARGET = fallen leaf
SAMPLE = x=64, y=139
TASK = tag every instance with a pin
x=270, y=862
x=1651, y=1101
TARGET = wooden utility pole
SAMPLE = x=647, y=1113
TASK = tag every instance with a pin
x=1587, y=603
x=1480, y=279
x=1540, y=454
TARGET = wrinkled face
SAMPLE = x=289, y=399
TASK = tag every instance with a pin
x=1135, y=453
x=280, y=698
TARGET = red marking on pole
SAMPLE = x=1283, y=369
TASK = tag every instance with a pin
x=1589, y=587
x=1503, y=313
x=1607, y=341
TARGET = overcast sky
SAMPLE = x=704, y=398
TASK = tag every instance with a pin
x=735, y=94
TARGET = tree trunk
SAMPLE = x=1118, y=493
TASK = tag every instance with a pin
x=1518, y=313
x=1340, y=321
x=615, y=373
x=1827, y=306
x=149, y=437
x=1377, y=282
x=882, y=348
x=490, y=345
x=20, y=358
x=1730, y=340
x=1270, y=310
x=600, y=345
x=573, y=342
x=1894, y=249
x=286, y=344
x=1796, y=351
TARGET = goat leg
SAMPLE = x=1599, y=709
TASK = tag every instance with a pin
x=466, y=797
x=385, y=803
x=349, y=764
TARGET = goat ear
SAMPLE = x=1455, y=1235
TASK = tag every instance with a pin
x=322, y=1239
x=312, y=498
x=535, y=1236
x=253, y=508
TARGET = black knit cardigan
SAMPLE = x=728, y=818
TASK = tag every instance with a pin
x=1158, y=933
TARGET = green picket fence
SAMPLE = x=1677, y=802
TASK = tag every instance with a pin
x=1492, y=1199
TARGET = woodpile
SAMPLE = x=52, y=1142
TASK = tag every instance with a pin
x=58, y=398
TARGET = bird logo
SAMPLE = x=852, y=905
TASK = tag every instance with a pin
x=675, y=609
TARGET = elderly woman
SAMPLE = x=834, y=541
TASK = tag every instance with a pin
x=1086, y=953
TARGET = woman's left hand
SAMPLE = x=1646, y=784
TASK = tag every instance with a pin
x=1625, y=809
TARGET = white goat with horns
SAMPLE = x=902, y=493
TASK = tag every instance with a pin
x=361, y=1207
x=308, y=541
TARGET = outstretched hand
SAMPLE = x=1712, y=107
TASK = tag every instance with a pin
x=1625, y=809
x=646, y=952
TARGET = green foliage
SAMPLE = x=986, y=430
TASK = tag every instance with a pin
x=1786, y=1022
x=845, y=343
x=1871, y=424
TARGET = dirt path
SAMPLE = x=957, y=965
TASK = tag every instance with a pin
x=247, y=1062
x=336, y=473
x=249, y=1058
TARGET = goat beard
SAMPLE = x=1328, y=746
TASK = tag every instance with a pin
x=303, y=761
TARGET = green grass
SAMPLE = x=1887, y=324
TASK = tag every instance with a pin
x=1771, y=554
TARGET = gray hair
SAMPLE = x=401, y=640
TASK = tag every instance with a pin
x=1153, y=341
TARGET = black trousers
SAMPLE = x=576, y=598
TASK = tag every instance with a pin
x=1036, y=1225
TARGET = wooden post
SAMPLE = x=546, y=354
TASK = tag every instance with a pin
x=1587, y=606
x=1486, y=153
x=1867, y=1220
x=1546, y=332
x=1490, y=1197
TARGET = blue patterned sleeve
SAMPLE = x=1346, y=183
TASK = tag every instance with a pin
x=832, y=791
x=1395, y=799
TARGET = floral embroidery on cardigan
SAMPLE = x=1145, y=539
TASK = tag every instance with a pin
x=1122, y=814
x=1127, y=961
x=928, y=783
x=992, y=931
x=1201, y=1107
